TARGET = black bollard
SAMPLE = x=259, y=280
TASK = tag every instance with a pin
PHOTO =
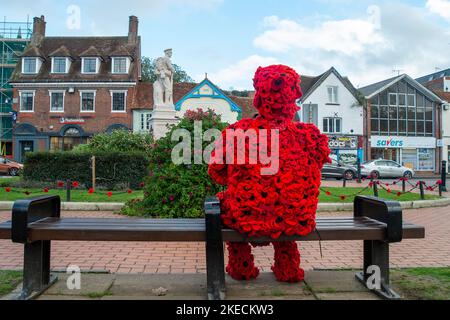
x=422, y=192
x=444, y=176
x=403, y=185
x=344, y=183
x=375, y=189
x=68, y=188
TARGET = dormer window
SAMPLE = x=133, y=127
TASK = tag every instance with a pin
x=60, y=65
x=31, y=65
x=90, y=65
x=120, y=65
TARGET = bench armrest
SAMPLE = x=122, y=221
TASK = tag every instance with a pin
x=388, y=212
x=28, y=211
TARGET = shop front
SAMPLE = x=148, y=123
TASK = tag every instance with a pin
x=417, y=153
x=345, y=149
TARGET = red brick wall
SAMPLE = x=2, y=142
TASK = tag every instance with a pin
x=96, y=122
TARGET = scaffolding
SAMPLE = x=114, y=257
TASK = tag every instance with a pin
x=14, y=37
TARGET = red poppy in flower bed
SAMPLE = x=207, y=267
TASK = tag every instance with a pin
x=75, y=184
x=60, y=184
x=389, y=191
x=142, y=184
x=399, y=194
x=46, y=190
x=110, y=194
x=8, y=189
x=343, y=198
x=91, y=191
x=328, y=193
x=130, y=191
x=281, y=202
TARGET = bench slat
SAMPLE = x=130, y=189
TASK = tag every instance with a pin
x=186, y=230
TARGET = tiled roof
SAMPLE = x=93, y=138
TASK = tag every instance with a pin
x=61, y=52
x=434, y=76
x=443, y=95
x=103, y=47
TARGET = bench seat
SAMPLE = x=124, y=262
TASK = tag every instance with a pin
x=183, y=230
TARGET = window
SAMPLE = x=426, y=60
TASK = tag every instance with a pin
x=89, y=65
x=59, y=65
x=333, y=94
x=26, y=101
x=29, y=65
x=392, y=99
x=87, y=101
x=57, y=101
x=120, y=65
x=119, y=101
x=145, y=121
x=332, y=125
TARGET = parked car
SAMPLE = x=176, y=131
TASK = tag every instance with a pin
x=385, y=169
x=339, y=171
x=10, y=167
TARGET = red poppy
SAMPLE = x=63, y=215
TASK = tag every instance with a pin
x=60, y=184
x=8, y=189
x=91, y=190
x=130, y=191
x=399, y=194
x=328, y=193
x=389, y=191
x=343, y=198
x=142, y=184
x=75, y=184
x=110, y=194
x=46, y=190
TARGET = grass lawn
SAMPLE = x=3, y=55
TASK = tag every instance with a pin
x=121, y=196
x=76, y=195
x=350, y=192
x=422, y=283
x=9, y=280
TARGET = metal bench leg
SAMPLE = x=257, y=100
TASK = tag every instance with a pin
x=36, y=269
x=215, y=256
x=376, y=253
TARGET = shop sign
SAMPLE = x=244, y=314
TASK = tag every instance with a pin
x=403, y=142
x=71, y=121
x=343, y=142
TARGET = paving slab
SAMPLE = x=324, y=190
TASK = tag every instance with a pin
x=348, y=296
x=325, y=285
x=91, y=285
x=333, y=281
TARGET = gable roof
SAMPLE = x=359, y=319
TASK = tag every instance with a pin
x=437, y=75
x=77, y=47
x=370, y=91
x=313, y=83
x=217, y=94
x=61, y=52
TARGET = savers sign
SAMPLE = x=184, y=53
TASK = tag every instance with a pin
x=403, y=142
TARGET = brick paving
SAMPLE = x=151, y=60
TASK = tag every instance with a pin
x=162, y=258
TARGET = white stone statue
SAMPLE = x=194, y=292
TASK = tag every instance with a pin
x=163, y=86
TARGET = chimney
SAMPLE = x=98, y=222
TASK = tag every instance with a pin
x=38, y=30
x=133, y=30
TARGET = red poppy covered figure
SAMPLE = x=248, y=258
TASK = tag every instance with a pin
x=284, y=201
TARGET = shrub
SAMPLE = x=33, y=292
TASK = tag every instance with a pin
x=117, y=141
x=112, y=168
x=177, y=191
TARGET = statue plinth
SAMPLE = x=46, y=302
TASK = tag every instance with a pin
x=163, y=116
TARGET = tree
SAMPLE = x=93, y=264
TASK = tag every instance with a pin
x=149, y=74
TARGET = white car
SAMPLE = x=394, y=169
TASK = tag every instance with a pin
x=385, y=169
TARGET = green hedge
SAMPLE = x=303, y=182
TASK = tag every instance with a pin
x=113, y=169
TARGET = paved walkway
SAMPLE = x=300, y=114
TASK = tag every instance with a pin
x=175, y=258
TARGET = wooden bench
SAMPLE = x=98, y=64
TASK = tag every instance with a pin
x=37, y=222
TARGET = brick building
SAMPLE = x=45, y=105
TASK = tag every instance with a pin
x=66, y=89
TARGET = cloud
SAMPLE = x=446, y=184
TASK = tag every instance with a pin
x=439, y=7
x=365, y=49
x=240, y=75
x=343, y=36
